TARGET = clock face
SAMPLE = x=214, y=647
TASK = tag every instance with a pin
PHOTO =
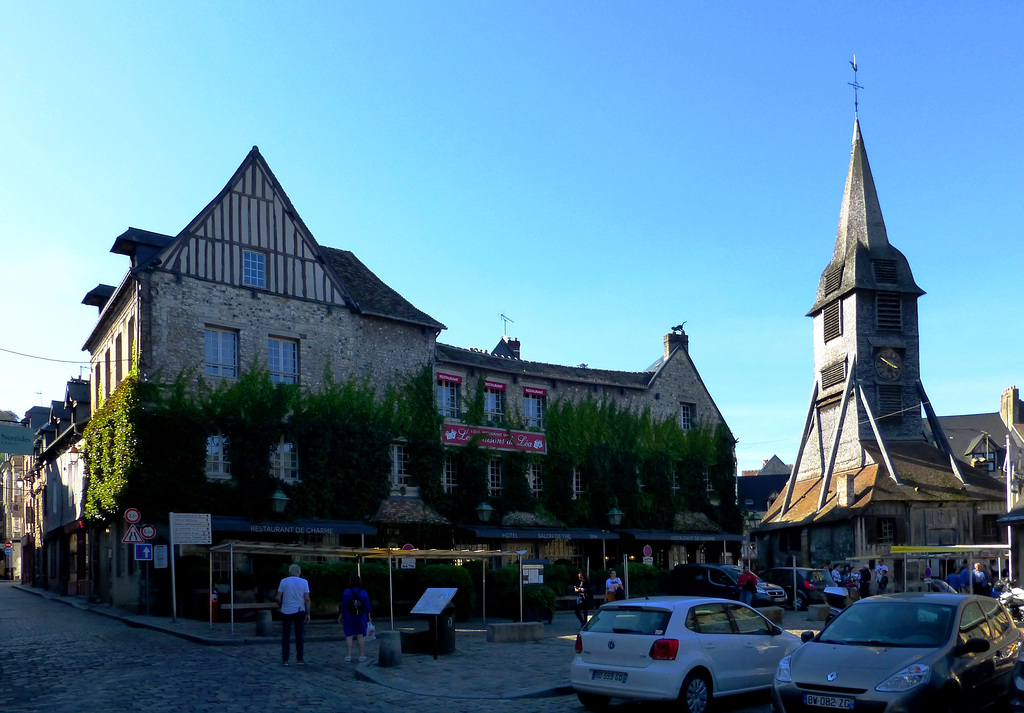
x=888, y=364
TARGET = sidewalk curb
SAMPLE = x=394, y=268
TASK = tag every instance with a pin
x=366, y=672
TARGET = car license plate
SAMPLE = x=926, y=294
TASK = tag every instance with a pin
x=613, y=676
x=844, y=704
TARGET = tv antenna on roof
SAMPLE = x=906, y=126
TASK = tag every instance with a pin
x=854, y=84
x=504, y=324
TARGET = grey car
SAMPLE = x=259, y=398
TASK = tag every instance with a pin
x=904, y=652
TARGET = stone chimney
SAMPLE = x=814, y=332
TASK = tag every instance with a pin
x=1009, y=407
x=846, y=490
x=676, y=338
x=513, y=346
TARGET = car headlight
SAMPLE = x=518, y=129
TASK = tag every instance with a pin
x=913, y=675
x=784, y=673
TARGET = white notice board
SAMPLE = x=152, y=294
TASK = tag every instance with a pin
x=191, y=528
x=434, y=600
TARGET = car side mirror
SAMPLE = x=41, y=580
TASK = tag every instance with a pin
x=776, y=630
x=972, y=646
x=806, y=636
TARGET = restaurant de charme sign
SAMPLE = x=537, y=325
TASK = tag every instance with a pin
x=495, y=438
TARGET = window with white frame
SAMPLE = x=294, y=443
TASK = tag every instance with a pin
x=533, y=407
x=494, y=401
x=448, y=395
x=284, y=461
x=494, y=477
x=283, y=360
x=577, y=484
x=254, y=269
x=218, y=465
x=535, y=476
x=708, y=485
x=451, y=479
x=675, y=481
x=221, y=352
x=399, y=465
x=686, y=416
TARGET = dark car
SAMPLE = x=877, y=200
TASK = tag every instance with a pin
x=916, y=651
x=719, y=580
x=810, y=584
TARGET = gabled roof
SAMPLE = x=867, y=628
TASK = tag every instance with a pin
x=963, y=431
x=775, y=466
x=863, y=257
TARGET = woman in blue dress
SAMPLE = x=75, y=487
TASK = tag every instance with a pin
x=354, y=614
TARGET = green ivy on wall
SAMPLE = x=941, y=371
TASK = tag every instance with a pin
x=146, y=448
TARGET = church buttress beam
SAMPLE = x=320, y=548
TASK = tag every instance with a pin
x=834, y=449
x=800, y=453
x=878, y=437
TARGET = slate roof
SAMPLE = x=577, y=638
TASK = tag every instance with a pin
x=485, y=360
x=757, y=488
x=962, y=431
x=925, y=477
x=371, y=295
x=775, y=466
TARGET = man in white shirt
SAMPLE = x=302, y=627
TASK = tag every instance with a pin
x=882, y=576
x=293, y=598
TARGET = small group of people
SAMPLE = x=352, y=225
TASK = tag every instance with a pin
x=353, y=614
x=967, y=581
x=843, y=575
x=613, y=591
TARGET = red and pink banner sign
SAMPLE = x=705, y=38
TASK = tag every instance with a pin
x=533, y=391
x=496, y=385
x=449, y=377
x=495, y=438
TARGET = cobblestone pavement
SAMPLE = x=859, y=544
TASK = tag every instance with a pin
x=63, y=659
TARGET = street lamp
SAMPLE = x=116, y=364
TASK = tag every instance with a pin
x=484, y=511
x=278, y=501
x=615, y=517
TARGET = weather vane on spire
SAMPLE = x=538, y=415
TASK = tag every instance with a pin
x=854, y=84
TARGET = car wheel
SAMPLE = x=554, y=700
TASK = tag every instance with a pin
x=592, y=701
x=696, y=692
x=799, y=602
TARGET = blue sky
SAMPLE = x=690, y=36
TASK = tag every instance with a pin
x=598, y=172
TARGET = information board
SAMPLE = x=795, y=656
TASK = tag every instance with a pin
x=434, y=600
x=191, y=528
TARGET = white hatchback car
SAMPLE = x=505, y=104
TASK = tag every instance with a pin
x=688, y=649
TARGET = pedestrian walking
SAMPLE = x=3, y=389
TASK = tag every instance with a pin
x=293, y=598
x=882, y=576
x=865, y=582
x=612, y=587
x=748, y=585
x=979, y=578
x=354, y=614
x=583, y=598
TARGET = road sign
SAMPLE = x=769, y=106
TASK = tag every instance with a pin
x=132, y=515
x=144, y=552
x=191, y=528
x=8, y=550
x=160, y=556
x=148, y=531
x=132, y=537
x=648, y=551
x=408, y=547
x=8, y=545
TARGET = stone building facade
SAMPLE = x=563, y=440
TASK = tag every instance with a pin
x=245, y=284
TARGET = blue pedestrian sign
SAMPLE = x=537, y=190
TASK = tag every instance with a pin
x=144, y=552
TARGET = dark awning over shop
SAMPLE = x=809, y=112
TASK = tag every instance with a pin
x=541, y=533
x=673, y=536
x=1014, y=517
x=223, y=523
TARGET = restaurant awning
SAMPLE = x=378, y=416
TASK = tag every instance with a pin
x=540, y=533
x=674, y=536
x=228, y=523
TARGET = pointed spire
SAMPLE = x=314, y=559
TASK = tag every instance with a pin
x=860, y=219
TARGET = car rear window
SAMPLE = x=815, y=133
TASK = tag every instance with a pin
x=817, y=577
x=629, y=620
